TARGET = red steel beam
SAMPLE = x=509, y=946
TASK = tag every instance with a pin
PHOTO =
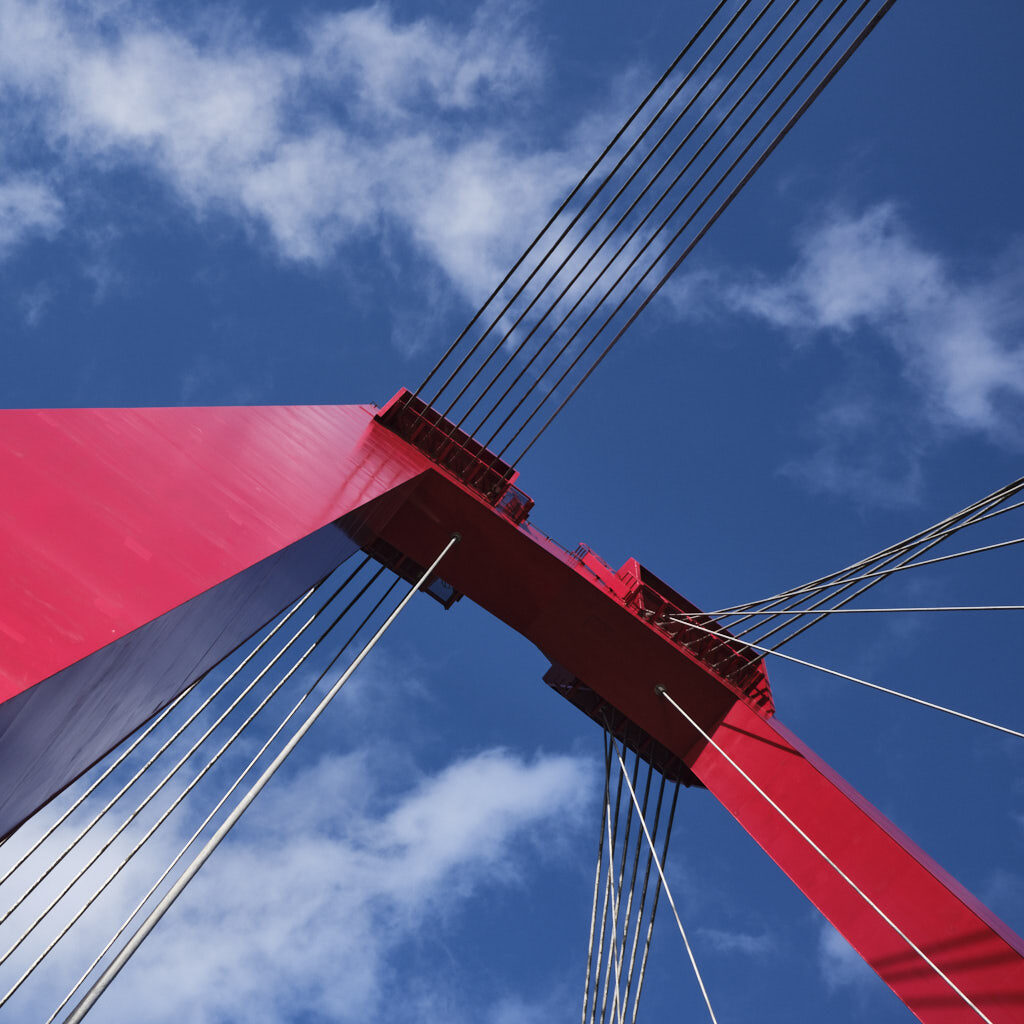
x=211, y=493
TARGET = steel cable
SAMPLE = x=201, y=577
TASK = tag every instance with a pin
x=615, y=169
x=672, y=902
x=614, y=229
x=598, y=875
x=801, y=110
x=220, y=803
x=145, y=768
x=825, y=857
x=654, y=907
x=874, y=686
x=181, y=796
x=111, y=972
x=836, y=577
x=615, y=952
x=643, y=895
x=607, y=150
x=711, y=107
x=650, y=242
x=724, y=149
x=914, y=558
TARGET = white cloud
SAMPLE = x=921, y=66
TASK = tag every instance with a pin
x=306, y=908
x=840, y=965
x=351, y=130
x=28, y=207
x=736, y=942
x=957, y=338
x=921, y=348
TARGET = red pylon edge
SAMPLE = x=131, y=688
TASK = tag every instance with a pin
x=124, y=531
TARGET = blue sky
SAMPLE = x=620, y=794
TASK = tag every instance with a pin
x=251, y=203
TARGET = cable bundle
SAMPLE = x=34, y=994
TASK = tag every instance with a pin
x=36, y=914
x=616, y=978
x=696, y=139
x=791, y=606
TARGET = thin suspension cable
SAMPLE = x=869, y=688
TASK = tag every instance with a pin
x=923, y=542
x=873, y=686
x=622, y=1002
x=667, y=219
x=874, y=611
x=632, y=890
x=173, y=805
x=679, y=204
x=153, y=724
x=138, y=775
x=711, y=107
x=1007, y=490
x=613, y=959
x=220, y=803
x=616, y=948
x=937, y=532
x=654, y=908
x=671, y=901
x=597, y=884
x=101, y=984
x=914, y=558
x=643, y=896
x=618, y=135
x=828, y=860
x=711, y=77
x=924, y=562
x=605, y=901
x=833, y=71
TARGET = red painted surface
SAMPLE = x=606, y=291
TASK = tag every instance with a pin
x=139, y=546
x=979, y=953
x=243, y=491
x=111, y=517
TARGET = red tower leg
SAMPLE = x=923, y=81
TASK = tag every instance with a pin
x=787, y=791
x=119, y=524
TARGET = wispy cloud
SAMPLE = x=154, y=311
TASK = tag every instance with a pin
x=958, y=336
x=367, y=123
x=306, y=910
x=736, y=942
x=925, y=347
x=839, y=963
x=29, y=208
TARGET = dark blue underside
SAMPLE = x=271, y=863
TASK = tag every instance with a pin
x=55, y=731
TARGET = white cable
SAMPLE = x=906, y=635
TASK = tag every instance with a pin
x=220, y=803
x=93, y=786
x=131, y=782
x=101, y=984
x=850, y=611
x=828, y=860
x=598, y=873
x=613, y=957
x=865, y=682
x=810, y=590
x=943, y=529
x=668, y=892
x=151, y=831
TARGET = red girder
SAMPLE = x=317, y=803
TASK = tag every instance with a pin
x=119, y=521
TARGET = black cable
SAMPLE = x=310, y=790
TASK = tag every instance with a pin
x=666, y=220
x=651, y=239
x=822, y=582
x=833, y=71
x=593, y=226
x=867, y=586
x=618, y=135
